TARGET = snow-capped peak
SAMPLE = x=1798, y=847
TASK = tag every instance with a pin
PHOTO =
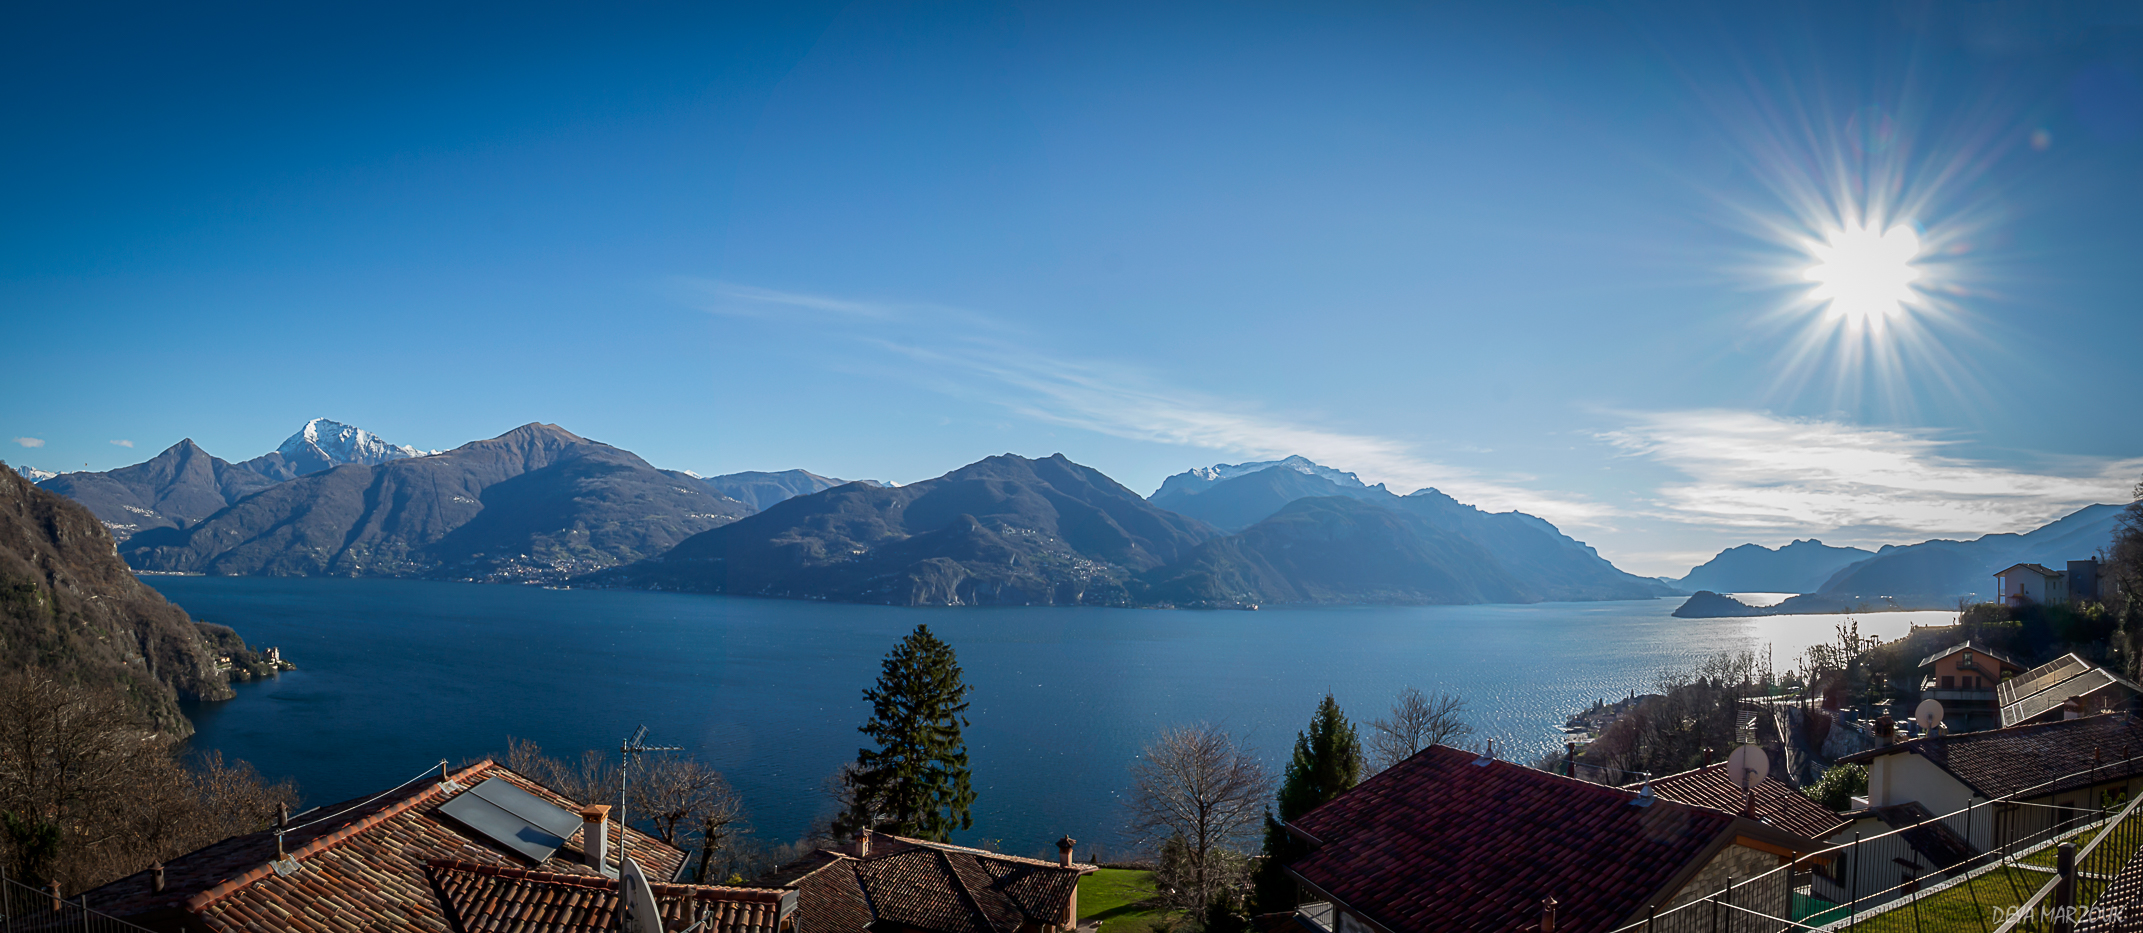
x=341, y=443
x=34, y=474
x=1297, y=463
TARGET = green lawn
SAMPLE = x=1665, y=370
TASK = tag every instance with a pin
x=1124, y=901
x=1964, y=907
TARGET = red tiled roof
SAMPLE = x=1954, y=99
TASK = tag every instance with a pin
x=490, y=899
x=1977, y=649
x=1437, y=843
x=1776, y=804
x=919, y=885
x=361, y=868
x=2039, y=759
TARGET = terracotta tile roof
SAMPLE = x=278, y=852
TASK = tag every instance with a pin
x=1776, y=804
x=929, y=886
x=359, y=869
x=1976, y=649
x=486, y=898
x=1438, y=843
x=2040, y=759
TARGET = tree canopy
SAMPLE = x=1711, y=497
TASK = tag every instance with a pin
x=916, y=782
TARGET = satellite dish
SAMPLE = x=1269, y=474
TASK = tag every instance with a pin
x=641, y=914
x=1748, y=766
x=1928, y=715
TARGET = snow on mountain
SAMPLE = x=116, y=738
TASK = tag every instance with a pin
x=344, y=444
x=34, y=474
x=323, y=444
x=1196, y=479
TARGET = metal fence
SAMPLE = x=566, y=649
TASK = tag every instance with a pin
x=24, y=909
x=2011, y=865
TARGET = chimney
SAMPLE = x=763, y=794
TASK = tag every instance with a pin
x=1547, y=914
x=2072, y=708
x=1707, y=758
x=863, y=843
x=1064, y=850
x=1570, y=759
x=595, y=834
x=156, y=878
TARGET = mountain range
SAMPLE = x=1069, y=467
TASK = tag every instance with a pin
x=537, y=503
x=762, y=490
x=540, y=504
x=1960, y=568
x=174, y=489
x=1004, y=530
x=1009, y=530
x=1929, y=575
x=1800, y=567
x=1306, y=533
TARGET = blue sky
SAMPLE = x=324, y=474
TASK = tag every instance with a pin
x=1541, y=256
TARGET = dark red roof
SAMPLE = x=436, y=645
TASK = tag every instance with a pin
x=919, y=885
x=1440, y=843
x=370, y=866
x=491, y=899
x=2038, y=760
x=1777, y=805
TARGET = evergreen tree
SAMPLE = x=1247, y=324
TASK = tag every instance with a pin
x=916, y=782
x=1327, y=763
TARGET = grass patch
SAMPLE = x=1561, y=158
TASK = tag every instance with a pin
x=1125, y=901
x=1964, y=907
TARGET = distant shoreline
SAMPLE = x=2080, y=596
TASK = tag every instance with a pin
x=1706, y=604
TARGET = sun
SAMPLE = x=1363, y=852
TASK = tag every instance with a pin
x=1865, y=277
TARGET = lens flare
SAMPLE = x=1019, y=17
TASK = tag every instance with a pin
x=1864, y=276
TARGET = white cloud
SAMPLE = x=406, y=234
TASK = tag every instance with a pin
x=975, y=355
x=1757, y=473
x=124, y=443
x=720, y=297
x=1128, y=402
x=30, y=441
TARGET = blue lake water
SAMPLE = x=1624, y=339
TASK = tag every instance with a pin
x=395, y=675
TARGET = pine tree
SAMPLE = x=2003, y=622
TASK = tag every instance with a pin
x=1327, y=763
x=916, y=782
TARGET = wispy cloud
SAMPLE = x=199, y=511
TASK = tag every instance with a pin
x=1757, y=473
x=123, y=443
x=30, y=441
x=974, y=355
x=719, y=297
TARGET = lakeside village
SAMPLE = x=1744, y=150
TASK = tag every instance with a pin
x=1980, y=776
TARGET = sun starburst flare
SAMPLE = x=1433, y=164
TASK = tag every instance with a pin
x=1863, y=277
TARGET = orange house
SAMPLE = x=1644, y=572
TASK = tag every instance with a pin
x=1963, y=678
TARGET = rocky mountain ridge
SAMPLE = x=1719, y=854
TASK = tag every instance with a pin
x=71, y=608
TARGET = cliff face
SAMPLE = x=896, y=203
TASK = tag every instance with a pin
x=70, y=607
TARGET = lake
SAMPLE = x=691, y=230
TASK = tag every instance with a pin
x=394, y=675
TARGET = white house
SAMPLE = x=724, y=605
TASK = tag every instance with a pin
x=2043, y=774
x=2031, y=583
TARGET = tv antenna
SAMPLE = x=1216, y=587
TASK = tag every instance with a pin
x=629, y=750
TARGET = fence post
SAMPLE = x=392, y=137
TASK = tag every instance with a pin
x=2065, y=889
x=1852, y=904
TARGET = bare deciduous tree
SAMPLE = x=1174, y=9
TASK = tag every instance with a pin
x=88, y=793
x=1416, y=722
x=1196, y=785
x=684, y=801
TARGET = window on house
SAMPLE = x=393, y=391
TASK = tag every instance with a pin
x=1949, y=683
